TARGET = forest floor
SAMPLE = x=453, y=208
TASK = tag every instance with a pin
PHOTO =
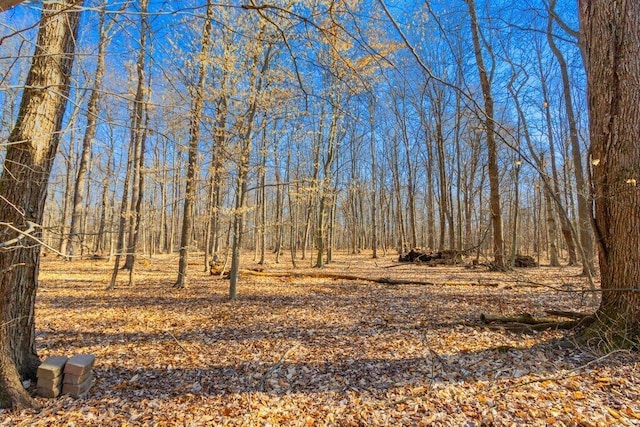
x=306, y=351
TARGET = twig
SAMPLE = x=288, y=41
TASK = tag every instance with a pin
x=12, y=266
x=274, y=368
x=178, y=342
x=31, y=227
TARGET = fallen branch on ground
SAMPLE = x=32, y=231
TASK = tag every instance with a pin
x=381, y=280
x=527, y=323
x=274, y=368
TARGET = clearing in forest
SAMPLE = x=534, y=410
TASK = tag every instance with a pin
x=297, y=350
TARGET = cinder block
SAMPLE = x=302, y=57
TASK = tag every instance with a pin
x=79, y=365
x=74, y=379
x=49, y=392
x=49, y=383
x=52, y=367
x=78, y=390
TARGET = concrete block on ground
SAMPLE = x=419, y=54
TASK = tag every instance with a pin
x=79, y=364
x=52, y=367
x=49, y=383
x=49, y=392
x=78, y=390
x=74, y=379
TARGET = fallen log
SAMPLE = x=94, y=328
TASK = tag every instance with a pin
x=337, y=276
x=567, y=314
x=340, y=276
x=525, y=322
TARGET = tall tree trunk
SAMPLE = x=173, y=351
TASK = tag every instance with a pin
x=246, y=125
x=262, y=206
x=442, y=174
x=139, y=121
x=431, y=221
x=31, y=149
x=373, y=148
x=293, y=211
x=194, y=138
x=584, y=209
x=66, y=200
x=122, y=221
x=324, y=186
x=492, y=149
x=552, y=229
x=565, y=225
x=279, y=230
x=99, y=247
x=516, y=208
x=612, y=41
x=137, y=212
x=75, y=240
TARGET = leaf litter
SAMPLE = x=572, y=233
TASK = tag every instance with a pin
x=304, y=351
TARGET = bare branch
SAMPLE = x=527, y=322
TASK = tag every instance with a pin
x=31, y=227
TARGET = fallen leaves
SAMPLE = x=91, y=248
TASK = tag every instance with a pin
x=315, y=351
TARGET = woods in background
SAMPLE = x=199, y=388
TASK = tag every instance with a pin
x=313, y=126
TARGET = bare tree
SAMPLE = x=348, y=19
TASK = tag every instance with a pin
x=584, y=210
x=75, y=240
x=194, y=139
x=492, y=149
x=135, y=157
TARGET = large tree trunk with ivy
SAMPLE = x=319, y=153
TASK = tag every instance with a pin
x=612, y=42
x=23, y=188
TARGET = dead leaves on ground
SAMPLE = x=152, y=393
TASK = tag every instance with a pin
x=316, y=351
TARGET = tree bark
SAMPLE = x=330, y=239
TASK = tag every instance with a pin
x=23, y=189
x=612, y=46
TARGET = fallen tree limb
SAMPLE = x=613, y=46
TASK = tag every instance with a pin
x=527, y=323
x=340, y=276
x=274, y=368
x=337, y=276
x=567, y=314
x=526, y=327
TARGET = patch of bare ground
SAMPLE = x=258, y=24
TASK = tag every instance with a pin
x=306, y=351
